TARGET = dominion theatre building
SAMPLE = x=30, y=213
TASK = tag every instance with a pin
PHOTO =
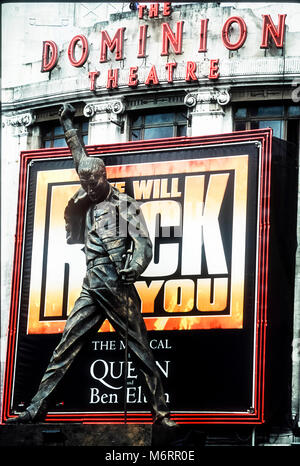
x=194, y=108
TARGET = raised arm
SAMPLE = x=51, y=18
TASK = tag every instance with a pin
x=74, y=141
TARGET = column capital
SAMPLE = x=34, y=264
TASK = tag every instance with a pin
x=21, y=122
x=116, y=106
x=220, y=96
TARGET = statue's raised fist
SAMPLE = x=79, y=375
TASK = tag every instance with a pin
x=66, y=111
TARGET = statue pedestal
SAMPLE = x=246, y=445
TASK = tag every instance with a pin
x=100, y=435
x=74, y=435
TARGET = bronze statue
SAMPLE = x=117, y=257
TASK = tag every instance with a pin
x=108, y=223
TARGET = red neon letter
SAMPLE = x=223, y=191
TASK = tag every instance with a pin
x=84, y=53
x=116, y=43
x=214, y=69
x=141, y=11
x=133, y=80
x=112, y=79
x=243, y=33
x=142, y=40
x=153, y=10
x=49, y=56
x=167, y=9
x=152, y=77
x=203, y=35
x=170, y=67
x=175, y=40
x=93, y=75
x=269, y=28
x=190, y=71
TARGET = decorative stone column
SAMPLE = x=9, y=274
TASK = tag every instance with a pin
x=15, y=132
x=106, y=121
x=295, y=401
x=208, y=111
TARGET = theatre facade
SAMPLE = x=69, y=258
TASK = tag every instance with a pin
x=195, y=110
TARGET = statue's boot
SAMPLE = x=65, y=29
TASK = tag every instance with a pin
x=165, y=422
x=25, y=417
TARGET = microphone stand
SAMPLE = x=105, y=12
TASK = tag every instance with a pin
x=127, y=262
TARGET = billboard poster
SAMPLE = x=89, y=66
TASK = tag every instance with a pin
x=203, y=297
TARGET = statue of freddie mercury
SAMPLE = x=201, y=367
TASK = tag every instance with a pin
x=107, y=291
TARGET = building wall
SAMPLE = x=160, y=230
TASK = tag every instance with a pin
x=31, y=97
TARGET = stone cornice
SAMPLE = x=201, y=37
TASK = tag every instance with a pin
x=43, y=94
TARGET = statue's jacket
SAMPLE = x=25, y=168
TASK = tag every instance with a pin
x=108, y=229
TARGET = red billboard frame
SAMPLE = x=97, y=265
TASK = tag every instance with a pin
x=254, y=416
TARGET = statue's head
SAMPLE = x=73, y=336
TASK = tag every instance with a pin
x=92, y=175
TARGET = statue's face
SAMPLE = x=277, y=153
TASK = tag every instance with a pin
x=95, y=184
